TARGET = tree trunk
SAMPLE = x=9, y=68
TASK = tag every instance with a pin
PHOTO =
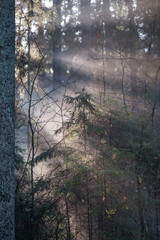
x=133, y=64
x=7, y=142
x=140, y=211
x=85, y=24
x=57, y=47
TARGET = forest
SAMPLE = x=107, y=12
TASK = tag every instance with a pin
x=87, y=112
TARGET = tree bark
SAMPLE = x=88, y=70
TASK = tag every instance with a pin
x=7, y=142
x=57, y=47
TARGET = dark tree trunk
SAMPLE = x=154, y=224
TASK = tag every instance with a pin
x=7, y=62
x=85, y=24
x=85, y=7
x=133, y=64
x=57, y=47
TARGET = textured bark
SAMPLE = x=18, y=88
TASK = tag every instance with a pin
x=7, y=60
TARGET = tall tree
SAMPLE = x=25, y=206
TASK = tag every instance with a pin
x=7, y=62
x=57, y=48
